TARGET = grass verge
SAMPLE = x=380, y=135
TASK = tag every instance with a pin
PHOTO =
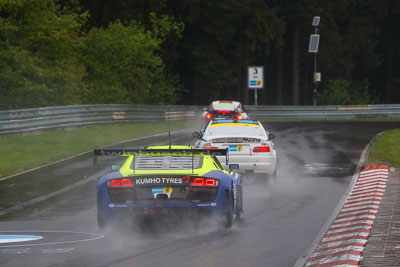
x=386, y=149
x=19, y=153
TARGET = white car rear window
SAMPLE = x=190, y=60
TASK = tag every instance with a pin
x=235, y=130
x=224, y=106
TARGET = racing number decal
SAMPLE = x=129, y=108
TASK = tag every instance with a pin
x=167, y=190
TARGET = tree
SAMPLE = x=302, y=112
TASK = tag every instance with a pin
x=124, y=65
x=220, y=40
x=39, y=51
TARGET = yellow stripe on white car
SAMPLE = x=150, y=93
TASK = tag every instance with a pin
x=235, y=124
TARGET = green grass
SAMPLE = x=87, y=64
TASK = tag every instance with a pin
x=19, y=153
x=386, y=149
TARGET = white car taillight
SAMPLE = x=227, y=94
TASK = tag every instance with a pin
x=239, y=116
x=261, y=149
x=208, y=146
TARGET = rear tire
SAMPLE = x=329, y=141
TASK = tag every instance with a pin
x=239, y=202
x=228, y=220
x=275, y=173
x=101, y=221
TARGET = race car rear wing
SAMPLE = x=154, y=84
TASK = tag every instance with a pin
x=183, y=152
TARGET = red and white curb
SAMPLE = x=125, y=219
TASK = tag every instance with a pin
x=345, y=240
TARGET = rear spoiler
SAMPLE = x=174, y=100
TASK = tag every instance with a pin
x=191, y=152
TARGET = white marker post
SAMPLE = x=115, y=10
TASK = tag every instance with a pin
x=255, y=80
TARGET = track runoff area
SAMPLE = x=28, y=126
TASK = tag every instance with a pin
x=345, y=240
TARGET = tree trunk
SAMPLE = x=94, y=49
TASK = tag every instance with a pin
x=389, y=75
x=196, y=95
x=239, y=85
x=245, y=91
x=296, y=66
x=279, y=78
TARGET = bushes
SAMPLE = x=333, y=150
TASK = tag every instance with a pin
x=344, y=92
x=46, y=59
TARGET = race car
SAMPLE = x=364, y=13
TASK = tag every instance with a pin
x=248, y=142
x=225, y=109
x=169, y=181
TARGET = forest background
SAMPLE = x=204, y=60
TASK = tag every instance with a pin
x=163, y=52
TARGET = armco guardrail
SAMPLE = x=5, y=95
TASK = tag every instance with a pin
x=38, y=119
x=359, y=111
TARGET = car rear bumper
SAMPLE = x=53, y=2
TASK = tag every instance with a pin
x=108, y=208
x=256, y=164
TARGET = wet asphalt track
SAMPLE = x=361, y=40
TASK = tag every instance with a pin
x=281, y=219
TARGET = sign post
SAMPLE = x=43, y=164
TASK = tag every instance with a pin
x=255, y=80
x=313, y=48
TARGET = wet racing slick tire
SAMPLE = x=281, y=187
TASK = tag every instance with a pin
x=228, y=218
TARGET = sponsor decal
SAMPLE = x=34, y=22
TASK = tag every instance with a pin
x=203, y=205
x=167, y=190
x=158, y=180
x=156, y=190
x=237, y=148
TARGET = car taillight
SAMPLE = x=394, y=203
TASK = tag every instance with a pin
x=224, y=111
x=124, y=182
x=209, y=116
x=239, y=116
x=199, y=181
x=208, y=146
x=261, y=149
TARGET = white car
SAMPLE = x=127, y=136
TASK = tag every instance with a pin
x=249, y=144
x=225, y=110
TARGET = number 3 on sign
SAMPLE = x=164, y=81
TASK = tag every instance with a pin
x=255, y=76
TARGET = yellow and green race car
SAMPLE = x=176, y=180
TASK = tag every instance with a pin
x=169, y=181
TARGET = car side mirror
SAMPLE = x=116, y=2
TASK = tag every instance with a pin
x=115, y=167
x=197, y=135
x=233, y=167
x=271, y=136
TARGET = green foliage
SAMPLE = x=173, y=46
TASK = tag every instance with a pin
x=344, y=92
x=46, y=58
x=124, y=66
x=58, y=52
x=39, y=54
x=336, y=93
